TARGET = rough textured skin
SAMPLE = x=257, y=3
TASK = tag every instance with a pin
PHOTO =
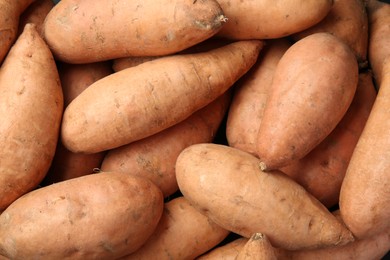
x=269, y=19
x=250, y=97
x=313, y=86
x=36, y=14
x=257, y=247
x=348, y=21
x=154, y=157
x=379, y=38
x=365, y=191
x=138, y=102
x=75, y=78
x=182, y=233
x=31, y=105
x=10, y=11
x=227, y=185
x=322, y=171
x=98, y=216
x=89, y=31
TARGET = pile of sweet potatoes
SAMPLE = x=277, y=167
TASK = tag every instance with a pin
x=194, y=129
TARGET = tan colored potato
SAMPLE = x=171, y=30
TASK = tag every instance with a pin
x=89, y=31
x=31, y=105
x=312, y=88
x=250, y=97
x=154, y=157
x=182, y=233
x=138, y=102
x=227, y=185
x=267, y=19
x=98, y=216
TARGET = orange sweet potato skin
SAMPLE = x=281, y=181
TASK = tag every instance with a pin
x=180, y=219
x=143, y=100
x=31, y=105
x=98, y=216
x=365, y=194
x=36, y=14
x=226, y=183
x=322, y=171
x=89, y=31
x=313, y=86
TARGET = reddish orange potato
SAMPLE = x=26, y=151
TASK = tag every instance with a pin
x=379, y=38
x=257, y=247
x=227, y=185
x=89, y=31
x=322, y=171
x=36, y=13
x=138, y=102
x=229, y=251
x=75, y=78
x=31, y=105
x=365, y=194
x=265, y=19
x=182, y=233
x=154, y=157
x=348, y=21
x=250, y=96
x=10, y=11
x=312, y=88
x=98, y=216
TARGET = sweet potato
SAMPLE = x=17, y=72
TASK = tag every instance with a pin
x=312, y=88
x=347, y=20
x=154, y=157
x=89, y=31
x=228, y=251
x=379, y=37
x=257, y=247
x=227, y=185
x=365, y=193
x=265, y=19
x=10, y=11
x=97, y=216
x=36, y=14
x=182, y=233
x=322, y=171
x=250, y=96
x=138, y=102
x=31, y=105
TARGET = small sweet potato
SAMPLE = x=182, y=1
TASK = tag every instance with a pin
x=31, y=105
x=97, y=216
x=312, y=88
x=182, y=233
x=227, y=185
x=90, y=31
x=138, y=102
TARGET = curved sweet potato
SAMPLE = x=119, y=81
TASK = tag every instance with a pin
x=31, y=105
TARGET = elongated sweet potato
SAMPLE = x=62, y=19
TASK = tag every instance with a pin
x=31, y=105
x=312, y=88
x=36, y=14
x=89, y=31
x=182, y=233
x=250, y=97
x=10, y=11
x=379, y=37
x=138, y=102
x=228, y=251
x=347, y=20
x=257, y=247
x=154, y=157
x=227, y=185
x=267, y=19
x=322, y=171
x=98, y=216
x=365, y=193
